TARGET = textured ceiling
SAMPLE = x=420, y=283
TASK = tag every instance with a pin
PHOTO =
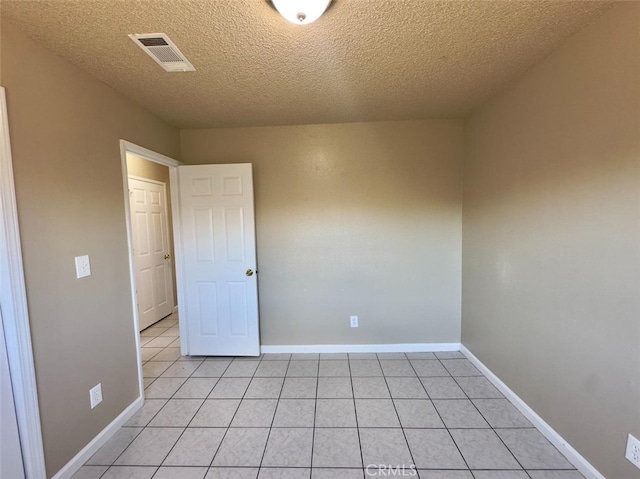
x=363, y=60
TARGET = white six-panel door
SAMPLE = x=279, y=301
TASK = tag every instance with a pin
x=218, y=260
x=154, y=284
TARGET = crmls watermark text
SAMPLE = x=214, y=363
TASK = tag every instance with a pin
x=388, y=470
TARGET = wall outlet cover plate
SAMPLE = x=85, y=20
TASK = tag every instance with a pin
x=633, y=451
x=95, y=395
x=83, y=267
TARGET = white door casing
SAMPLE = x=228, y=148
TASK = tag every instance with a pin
x=217, y=260
x=11, y=464
x=127, y=148
x=13, y=301
x=152, y=254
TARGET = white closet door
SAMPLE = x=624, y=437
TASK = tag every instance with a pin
x=152, y=257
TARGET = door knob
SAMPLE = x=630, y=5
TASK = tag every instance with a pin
x=167, y=256
x=249, y=272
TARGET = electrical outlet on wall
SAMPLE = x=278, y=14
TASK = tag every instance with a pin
x=633, y=451
x=354, y=321
x=95, y=395
x=83, y=266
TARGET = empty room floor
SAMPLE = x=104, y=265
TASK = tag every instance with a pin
x=320, y=416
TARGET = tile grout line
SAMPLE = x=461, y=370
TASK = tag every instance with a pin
x=236, y=410
x=445, y=424
x=266, y=443
x=315, y=409
x=406, y=441
x=355, y=412
x=454, y=441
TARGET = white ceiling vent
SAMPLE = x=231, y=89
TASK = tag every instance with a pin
x=163, y=51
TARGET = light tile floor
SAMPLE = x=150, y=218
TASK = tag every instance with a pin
x=320, y=416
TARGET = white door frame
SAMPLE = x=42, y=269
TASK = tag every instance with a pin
x=13, y=300
x=150, y=155
x=170, y=296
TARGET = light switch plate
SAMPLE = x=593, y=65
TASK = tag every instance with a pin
x=83, y=267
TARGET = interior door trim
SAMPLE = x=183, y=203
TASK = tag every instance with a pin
x=13, y=300
x=128, y=147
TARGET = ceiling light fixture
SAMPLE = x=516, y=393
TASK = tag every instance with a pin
x=301, y=12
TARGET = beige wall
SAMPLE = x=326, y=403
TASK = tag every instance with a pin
x=65, y=128
x=361, y=218
x=365, y=219
x=551, y=257
x=137, y=166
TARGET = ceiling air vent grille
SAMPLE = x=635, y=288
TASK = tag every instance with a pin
x=163, y=51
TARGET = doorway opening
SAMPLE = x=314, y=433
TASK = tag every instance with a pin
x=147, y=186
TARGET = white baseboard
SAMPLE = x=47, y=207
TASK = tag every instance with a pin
x=361, y=348
x=71, y=467
x=573, y=456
